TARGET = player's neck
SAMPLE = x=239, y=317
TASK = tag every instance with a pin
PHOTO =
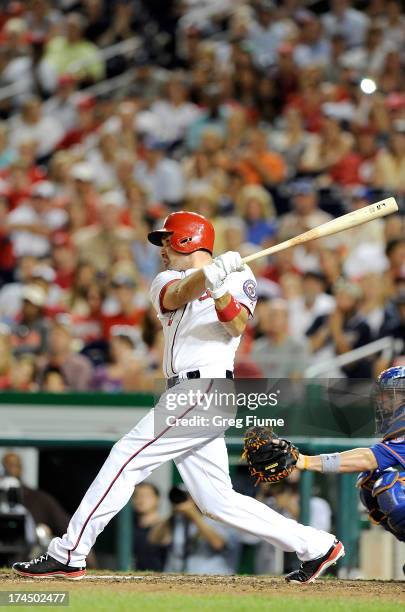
x=199, y=259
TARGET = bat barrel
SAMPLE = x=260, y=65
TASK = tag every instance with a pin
x=352, y=219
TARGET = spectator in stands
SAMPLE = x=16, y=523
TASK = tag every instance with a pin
x=390, y=162
x=7, y=259
x=395, y=251
x=201, y=168
x=122, y=24
x=291, y=139
x=44, y=508
x=394, y=317
x=87, y=123
x=255, y=206
x=126, y=310
x=372, y=305
x=96, y=243
x=10, y=293
x=146, y=260
x=72, y=53
x=76, y=299
x=97, y=20
x=258, y=164
x=44, y=276
x=306, y=214
x=53, y=380
x=24, y=373
x=42, y=18
x=145, y=503
x=327, y=148
x=393, y=21
x=313, y=47
x=126, y=371
x=213, y=116
x=6, y=357
x=342, y=331
x=88, y=315
x=330, y=262
x=371, y=56
x=32, y=223
x=312, y=302
x=345, y=20
x=174, y=112
x=59, y=169
x=266, y=33
x=64, y=260
x=7, y=153
x=29, y=331
x=159, y=176
x=76, y=369
x=277, y=353
x=61, y=106
x=33, y=124
x=102, y=160
x=20, y=55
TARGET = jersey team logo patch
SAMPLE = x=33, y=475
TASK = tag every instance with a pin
x=249, y=287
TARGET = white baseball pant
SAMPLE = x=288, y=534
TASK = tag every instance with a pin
x=203, y=466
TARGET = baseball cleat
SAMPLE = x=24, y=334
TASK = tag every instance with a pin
x=46, y=566
x=309, y=571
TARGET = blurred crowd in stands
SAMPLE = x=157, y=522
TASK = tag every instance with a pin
x=267, y=117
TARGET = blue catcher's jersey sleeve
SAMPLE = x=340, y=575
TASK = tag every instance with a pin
x=390, y=453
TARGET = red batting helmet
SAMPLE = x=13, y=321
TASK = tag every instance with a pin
x=188, y=232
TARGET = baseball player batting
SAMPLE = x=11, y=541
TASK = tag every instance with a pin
x=203, y=305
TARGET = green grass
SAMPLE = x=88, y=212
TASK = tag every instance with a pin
x=103, y=600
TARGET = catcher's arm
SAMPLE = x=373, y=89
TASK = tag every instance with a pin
x=355, y=460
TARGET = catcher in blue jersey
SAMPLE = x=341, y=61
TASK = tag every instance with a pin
x=382, y=478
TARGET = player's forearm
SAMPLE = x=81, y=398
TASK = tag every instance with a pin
x=236, y=327
x=183, y=291
x=356, y=460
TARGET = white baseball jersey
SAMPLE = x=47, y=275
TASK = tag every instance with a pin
x=194, y=337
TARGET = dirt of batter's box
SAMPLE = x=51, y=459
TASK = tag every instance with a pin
x=237, y=585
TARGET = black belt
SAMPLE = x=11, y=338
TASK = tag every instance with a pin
x=194, y=374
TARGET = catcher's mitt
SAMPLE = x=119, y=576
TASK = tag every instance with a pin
x=269, y=458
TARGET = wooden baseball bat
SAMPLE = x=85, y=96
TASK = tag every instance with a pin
x=351, y=219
